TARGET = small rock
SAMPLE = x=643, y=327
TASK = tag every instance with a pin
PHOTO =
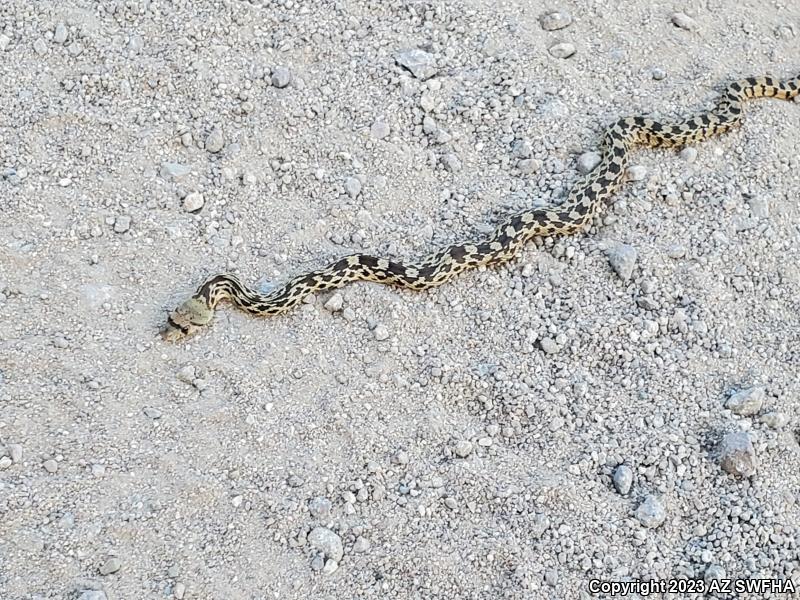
x=174, y=171
x=636, y=173
x=334, y=303
x=4, y=42
x=562, y=50
x=179, y=591
x=651, y=513
x=587, y=162
x=330, y=567
x=362, y=545
x=539, y=525
x=737, y=455
x=50, y=465
x=15, y=452
x=60, y=35
x=151, y=412
x=122, y=224
x=295, y=481
x=549, y=345
x=451, y=162
x=418, y=62
x=281, y=77
x=215, y=141
x=380, y=129
x=327, y=542
x=187, y=374
x=759, y=206
x=400, y=458
x=746, y=402
x=352, y=186
x=522, y=148
x=318, y=562
x=320, y=507
x=463, y=448
x=529, y=165
x=714, y=572
x=688, y=154
x=558, y=19
x=60, y=342
x=623, y=479
x=429, y=125
x=5, y=462
x=40, y=47
x=381, y=333
x=684, y=21
x=92, y=595
x=112, y=565
x=551, y=577
x=622, y=259
x=658, y=73
x=193, y=202
x=775, y=420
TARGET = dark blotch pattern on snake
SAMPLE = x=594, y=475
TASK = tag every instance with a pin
x=586, y=198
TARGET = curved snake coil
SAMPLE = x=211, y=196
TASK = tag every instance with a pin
x=585, y=199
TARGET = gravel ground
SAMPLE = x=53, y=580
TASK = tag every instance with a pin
x=618, y=405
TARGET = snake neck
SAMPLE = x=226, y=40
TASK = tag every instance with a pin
x=227, y=287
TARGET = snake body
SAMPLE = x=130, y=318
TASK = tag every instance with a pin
x=585, y=199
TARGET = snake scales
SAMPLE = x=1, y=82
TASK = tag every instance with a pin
x=584, y=201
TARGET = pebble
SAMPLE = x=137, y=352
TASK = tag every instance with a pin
x=562, y=50
x=320, y=507
x=380, y=129
x=759, y=206
x=193, y=202
x=420, y=63
x=4, y=42
x=381, y=333
x=352, y=185
x=61, y=342
x=15, y=452
x=774, y=420
x=684, y=21
x=429, y=125
x=714, y=572
x=334, y=303
x=549, y=345
x=636, y=173
x=737, y=455
x=658, y=73
x=622, y=258
x=327, y=542
x=186, y=374
x=623, y=479
x=151, y=412
x=5, y=462
x=50, y=465
x=112, y=565
x=60, y=34
x=529, y=165
x=174, y=171
x=451, y=162
x=330, y=567
x=553, y=21
x=651, y=513
x=215, y=141
x=281, y=77
x=588, y=161
x=463, y=448
x=362, y=545
x=92, y=595
x=746, y=402
x=688, y=154
x=122, y=224
x=40, y=47
x=179, y=591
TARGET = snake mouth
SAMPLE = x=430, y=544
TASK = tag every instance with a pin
x=174, y=331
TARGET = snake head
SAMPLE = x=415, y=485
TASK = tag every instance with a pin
x=186, y=319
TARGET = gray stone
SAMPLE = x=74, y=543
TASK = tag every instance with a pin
x=737, y=455
x=60, y=35
x=688, y=154
x=193, y=201
x=40, y=47
x=174, y=171
x=92, y=595
x=429, y=125
x=352, y=185
x=684, y=21
x=281, y=77
x=112, y=565
x=320, y=507
x=122, y=224
x=651, y=513
x=529, y=165
x=759, y=206
x=623, y=479
x=421, y=64
x=380, y=129
x=562, y=50
x=622, y=259
x=334, y=303
x=549, y=345
x=714, y=572
x=774, y=420
x=451, y=162
x=746, y=402
x=4, y=42
x=381, y=333
x=587, y=162
x=463, y=448
x=558, y=19
x=215, y=141
x=15, y=452
x=50, y=465
x=330, y=567
x=362, y=545
x=636, y=173
x=327, y=542
x=5, y=462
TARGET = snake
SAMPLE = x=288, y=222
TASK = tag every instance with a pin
x=584, y=201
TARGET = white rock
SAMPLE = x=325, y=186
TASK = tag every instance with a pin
x=381, y=333
x=684, y=21
x=352, y=185
x=380, y=129
x=746, y=402
x=622, y=259
x=623, y=479
x=281, y=77
x=562, y=50
x=327, y=542
x=193, y=201
x=636, y=173
x=558, y=19
x=463, y=448
x=215, y=141
x=689, y=154
x=587, y=162
x=60, y=35
x=419, y=62
x=334, y=303
x=651, y=513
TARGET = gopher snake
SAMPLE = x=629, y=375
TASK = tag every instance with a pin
x=585, y=199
